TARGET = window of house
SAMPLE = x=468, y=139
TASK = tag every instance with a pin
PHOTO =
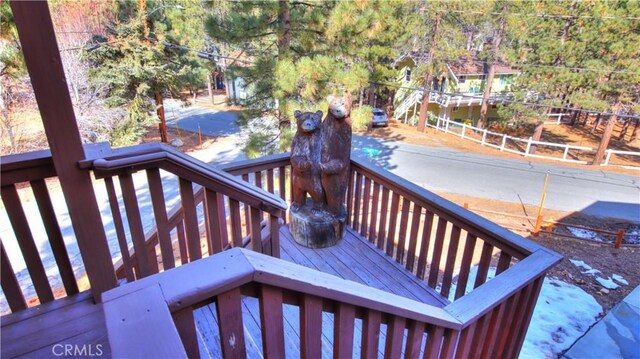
x=494, y=106
x=456, y=109
x=407, y=75
x=502, y=80
x=462, y=79
x=483, y=77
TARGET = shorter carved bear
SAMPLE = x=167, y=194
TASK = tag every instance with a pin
x=305, y=160
x=336, y=152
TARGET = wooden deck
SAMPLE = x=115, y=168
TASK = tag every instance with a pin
x=72, y=326
x=354, y=259
x=76, y=322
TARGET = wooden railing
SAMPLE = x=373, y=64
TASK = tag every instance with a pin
x=228, y=211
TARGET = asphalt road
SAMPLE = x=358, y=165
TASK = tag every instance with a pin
x=594, y=192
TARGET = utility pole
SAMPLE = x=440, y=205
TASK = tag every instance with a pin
x=429, y=79
x=495, y=51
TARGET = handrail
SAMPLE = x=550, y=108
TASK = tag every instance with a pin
x=252, y=165
x=503, y=238
x=196, y=171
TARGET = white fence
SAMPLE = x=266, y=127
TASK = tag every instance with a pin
x=500, y=142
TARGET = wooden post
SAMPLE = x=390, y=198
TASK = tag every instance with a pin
x=484, y=136
x=536, y=230
x=504, y=142
x=42, y=58
x=526, y=152
x=619, y=238
x=608, y=158
x=464, y=128
x=566, y=152
x=163, y=123
x=199, y=135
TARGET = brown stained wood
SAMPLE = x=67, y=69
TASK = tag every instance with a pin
x=528, y=312
x=274, y=233
x=258, y=179
x=48, y=216
x=145, y=266
x=357, y=201
x=140, y=326
x=311, y=327
x=424, y=245
x=465, y=264
x=518, y=320
x=190, y=220
x=497, y=315
x=350, y=192
x=270, y=181
x=437, y=252
x=186, y=327
x=214, y=226
x=413, y=237
x=120, y=234
x=46, y=73
x=505, y=335
x=222, y=219
x=382, y=228
x=272, y=322
x=282, y=181
x=414, y=339
x=256, y=238
x=449, y=343
x=478, y=337
x=371, y=236
x=395, y=337
x=464, y=344
x=28, y=248
x=452, y=252
x=434, y=341
x=393, y=219
x=370, y=334
x=343, y=331
x=245, y=177
x=182, y=243
x=236, y=223
x=483, y=265
x=10, y=285
x=160, y=213
x=503, y=262
x=402, y=233
x=366, y=198
x=229, y=312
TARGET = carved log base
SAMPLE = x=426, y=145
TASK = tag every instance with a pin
x=315, y=228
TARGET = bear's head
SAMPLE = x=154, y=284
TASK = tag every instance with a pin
x=340, y=107
x=308, y=122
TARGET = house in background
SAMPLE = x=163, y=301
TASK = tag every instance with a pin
x=456, y=92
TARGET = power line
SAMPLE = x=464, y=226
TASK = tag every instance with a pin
x=390, y=84
x=550, y=16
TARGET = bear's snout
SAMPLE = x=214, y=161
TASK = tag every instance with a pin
x=308, y=126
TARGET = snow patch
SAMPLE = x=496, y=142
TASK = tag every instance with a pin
x=607, y=283
x=620, y=279
x=581, y=264
x=584, y=233
x=563, y=314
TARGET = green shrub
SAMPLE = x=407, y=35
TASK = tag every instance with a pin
x=361, y=117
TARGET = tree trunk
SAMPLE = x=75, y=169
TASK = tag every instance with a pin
x=596, y=123
x=361, y=98
x=574, y=118
x=284, y=30
x=210, y=88
x=163, y=123
x=623, y=131
x=636, y=132
x=424, y=105
x=492, y=70
x=537, y=133
x=606, y=136
x=371, y=96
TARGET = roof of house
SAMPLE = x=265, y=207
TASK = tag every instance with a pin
x=476, y=66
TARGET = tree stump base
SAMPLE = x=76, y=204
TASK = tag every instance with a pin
x=315, y=228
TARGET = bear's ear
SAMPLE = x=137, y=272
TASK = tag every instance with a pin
x=330, y=99
x=319, y=114
x=297, y=114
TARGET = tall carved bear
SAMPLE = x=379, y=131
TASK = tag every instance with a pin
x=336, y=153
x=305, y=160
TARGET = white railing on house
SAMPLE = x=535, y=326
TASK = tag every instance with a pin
x=518, y=145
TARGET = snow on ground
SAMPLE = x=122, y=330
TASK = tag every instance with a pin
x=620, y=279
x=563, y=314
x=607, y=283
x=584, y=233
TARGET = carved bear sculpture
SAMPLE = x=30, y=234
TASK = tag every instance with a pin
x=336, y=151
x=305, y=160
